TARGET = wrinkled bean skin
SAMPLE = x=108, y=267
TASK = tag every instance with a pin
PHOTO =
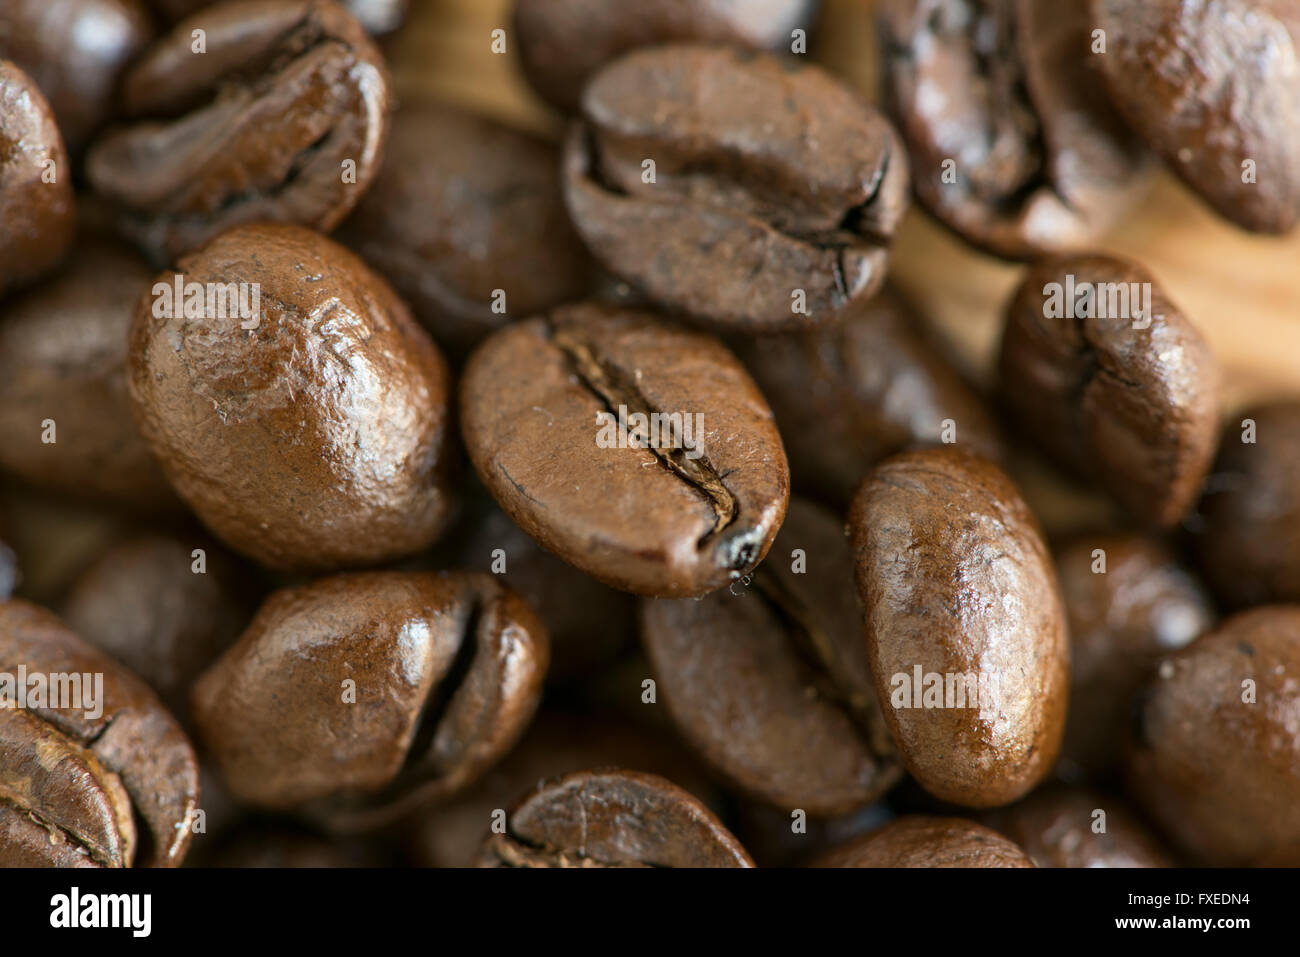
x=75, y=50
x=257, y=129
x=855, y=392
x=463, y=207
x=1014, y=144
x=1210, y=86
x=769, y=681
x=118, y=789
x=37, y=215
x=1122, y=620
x=1248, y=540
x=771, y=178
x=317, y=439
x=63, y=357
x=1217, y=761
x=562, y=43
x=1136, y=408
x=612, y=819
x=1058, y=827
x=644, y=520
x=916, y=841
x=446, y=670
x=955, y=578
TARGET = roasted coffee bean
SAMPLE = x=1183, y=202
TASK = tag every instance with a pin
x=1217, y=764
x=467, y=219
x=377, y=16
x=1211, y=87
x=1014, y=143
x=853, y=393
x=313, y=435
x=557, y=743
x=746, y=190
x=769, y=836
x=281, y=118
x=162, y=605
x=37, y=213
x=1105, y=374
x=1071, y=827
x=357, y=697
x=590, y=624
x=93, y=774
x=1128, y=602
x=75, y=50
x=612, y=819
x=918, y=841
x=964, y=625
x=563, y=42
x=65, y=415
x=638, y=451
x=1249, y=541
x=770, y=682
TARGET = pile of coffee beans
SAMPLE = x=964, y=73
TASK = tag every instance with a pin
x=381, y=484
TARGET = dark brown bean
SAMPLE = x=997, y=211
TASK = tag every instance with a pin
x=917, y=841
x=1070, y=827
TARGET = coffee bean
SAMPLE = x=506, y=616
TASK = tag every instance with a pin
x=143, y=603
x=1249, y=536
x=65, y=415
x=562, y=43
x=1109, y=389
x=357, y=697
x=1072, y=827
x=612, y=819
x=468, y=222
x=261, y=126
x=36, y=205
x=75, y=51
x=1128, y=602
x=313, y=435
x=693, y=510
x=748, y=191
x=964, y=625
x=113, y=789
x=853, y=393
x=918, y=841
x=377, y=16
x=1217, y=764
x=770, y=836
x=770, y=682
x=1014, y=143
x=1210, y=87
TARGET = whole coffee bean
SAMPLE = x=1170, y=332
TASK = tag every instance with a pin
x=769, y=835
x=65, y=415
x=75, y=50
x=746, y=190
x=94, y=771
x=1128, y=602
x=557, y=743
x=1106, y=375
x=612, y=818
x=377, y=16
x=467, y=220
x=1210, y=86
x=562, y=43
x=770, y=682
x=964, y=625
x=36, y=205
x=313, y=435
x=1249, y=541
x=357, y=697
x=1014, y=143
x=590, y=624
x=638, y=451
x=1217, y=764
x=1072, y=827
x=855, y=392
x=164, y=606
x=919, y=841
x=280, y=118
